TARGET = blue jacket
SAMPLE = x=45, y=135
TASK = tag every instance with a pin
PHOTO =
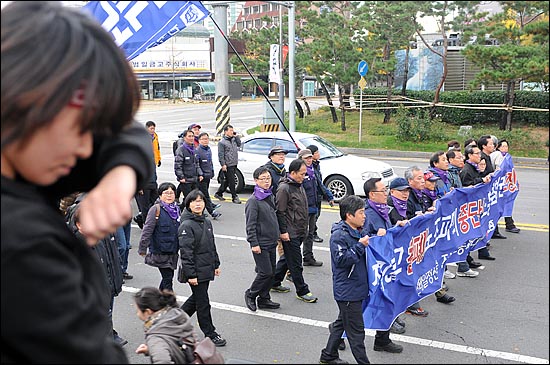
x=349, y=264
x=204, y=155
x=311, y=187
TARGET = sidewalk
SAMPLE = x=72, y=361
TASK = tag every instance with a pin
x=518, y=161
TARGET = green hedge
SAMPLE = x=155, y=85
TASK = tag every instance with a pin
x=459, y=116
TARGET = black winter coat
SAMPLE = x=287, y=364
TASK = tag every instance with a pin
x=198, y=254
x=54, y=309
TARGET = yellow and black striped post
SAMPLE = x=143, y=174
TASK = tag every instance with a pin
x=222, y=113
x=269, y=127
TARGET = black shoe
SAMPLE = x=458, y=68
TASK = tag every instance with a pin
x=397, y=328
x=400, y=321
x=475, y=264
x=335, y=361
x=312, y=262
x=417, y=312
x=249, y=301
x=446, y=299
x=513, y=230
x=218, y=340
x=281, y=289
x=391, y=347
x=498, y=236
x=488, y=257
x=342, y=345
x=268, y=304
x=317, y=239
x=219, y=197
x=236, y=200
x=127, y=276
x=216, y=206
x=119, y=340
x=216, y=214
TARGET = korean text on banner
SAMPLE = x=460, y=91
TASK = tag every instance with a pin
x=139, y=25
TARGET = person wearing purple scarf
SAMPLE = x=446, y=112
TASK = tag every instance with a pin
x=159, y=243
x=377, y=222
x=439, y=165
x=262, y=233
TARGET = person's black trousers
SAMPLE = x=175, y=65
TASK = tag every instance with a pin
x=228, y=181
x=265, y=269
x=350, y=319
x=204, y=187
x=200, y=302
x=293, y=258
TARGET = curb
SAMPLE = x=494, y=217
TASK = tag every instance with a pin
x=519, y=161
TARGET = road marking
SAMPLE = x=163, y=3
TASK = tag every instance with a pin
x=409, y=339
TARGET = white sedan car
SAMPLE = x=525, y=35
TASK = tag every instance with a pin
x=343, y=174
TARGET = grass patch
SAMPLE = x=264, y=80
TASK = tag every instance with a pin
x=525, y=141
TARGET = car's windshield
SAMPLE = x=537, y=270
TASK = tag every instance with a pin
x=326, y=149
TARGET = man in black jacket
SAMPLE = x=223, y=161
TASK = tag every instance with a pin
x=186, y=166
x=292, y=214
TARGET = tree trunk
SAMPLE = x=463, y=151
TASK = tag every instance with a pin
x=511, y=89
x=389, y=84
x=299, y=108
x=405, y=72
x=444, y=76
x=343, y=124
x=308, y=110
x=329, y=101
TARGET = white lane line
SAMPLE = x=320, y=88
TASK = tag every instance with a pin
x=412, y=340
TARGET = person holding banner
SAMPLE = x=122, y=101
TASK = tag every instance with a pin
x=471, y=176
x=349, y=270
x=376, y=224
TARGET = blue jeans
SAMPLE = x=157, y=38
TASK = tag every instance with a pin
x=123, y=247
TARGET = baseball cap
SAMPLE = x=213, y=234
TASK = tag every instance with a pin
x=399, y=184
x=194, y=125
x=304, y=153
x=276, y=149
x=430, y=176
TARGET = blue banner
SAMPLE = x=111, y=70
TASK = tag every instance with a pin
x=407, y=264
x=139, y=25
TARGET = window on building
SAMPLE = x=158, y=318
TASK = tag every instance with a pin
x=265, y=8
x=255, y=9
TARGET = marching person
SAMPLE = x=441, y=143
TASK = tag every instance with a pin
x=262, y=233
x=228, y=155
x=199, y=261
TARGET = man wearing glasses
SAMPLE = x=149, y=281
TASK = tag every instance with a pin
x=377, y=222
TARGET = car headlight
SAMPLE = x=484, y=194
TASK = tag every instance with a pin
x=370, y=174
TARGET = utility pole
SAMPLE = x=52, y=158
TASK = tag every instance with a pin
x=221, y=64
x=281, y=70
x=291, y=71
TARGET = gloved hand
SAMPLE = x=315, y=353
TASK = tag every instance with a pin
x=158, y=164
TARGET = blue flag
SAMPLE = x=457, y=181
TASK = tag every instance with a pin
x=408, y=263
x=139, y=25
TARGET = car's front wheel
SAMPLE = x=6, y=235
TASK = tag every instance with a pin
x=339, y=186
x=239, y=181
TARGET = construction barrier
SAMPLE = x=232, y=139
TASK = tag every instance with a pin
x=269, y=127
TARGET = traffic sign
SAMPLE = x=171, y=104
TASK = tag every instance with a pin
x=362, y=83
x=363, y=68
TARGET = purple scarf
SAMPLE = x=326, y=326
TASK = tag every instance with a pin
x=190, y=148
x=474, y=165
x=260, y=193
x=442, y=174
x=381, y=209
x=430, y=193
x=418, y=194
x=310, y=172
x=400, y=205
x=171, y=209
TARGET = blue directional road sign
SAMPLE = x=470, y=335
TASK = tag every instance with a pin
x=363, y=68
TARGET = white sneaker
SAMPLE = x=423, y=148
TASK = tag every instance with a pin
x=469, y=274
x=449, y=275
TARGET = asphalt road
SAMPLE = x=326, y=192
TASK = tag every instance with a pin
x=502, y=316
